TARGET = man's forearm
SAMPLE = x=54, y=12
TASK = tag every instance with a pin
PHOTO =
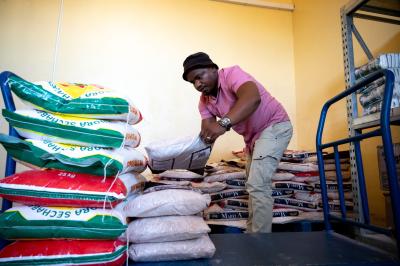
x=246, y=104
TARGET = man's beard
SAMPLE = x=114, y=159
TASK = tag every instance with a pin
x=211, y=92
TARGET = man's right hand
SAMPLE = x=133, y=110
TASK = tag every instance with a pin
x=211, y=130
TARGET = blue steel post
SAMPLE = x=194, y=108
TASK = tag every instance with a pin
x=389, y=154
x=10, y=163
x=9, y=103
x=321, y=167
x=353, y=139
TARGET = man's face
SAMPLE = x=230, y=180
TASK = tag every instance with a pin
x=205, y=80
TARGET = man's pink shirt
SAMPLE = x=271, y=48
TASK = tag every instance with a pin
x=269, y=112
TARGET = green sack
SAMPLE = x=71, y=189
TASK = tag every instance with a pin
x=42, y=125
x=36, y=222
x=81, y=100
x=81, y=159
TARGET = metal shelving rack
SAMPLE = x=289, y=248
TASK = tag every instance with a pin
x=387, y=11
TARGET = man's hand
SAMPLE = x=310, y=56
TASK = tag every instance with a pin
x=211, y=130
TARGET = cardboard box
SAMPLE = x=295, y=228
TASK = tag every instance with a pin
x=382, y=166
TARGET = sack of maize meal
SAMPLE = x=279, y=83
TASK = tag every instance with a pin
x=64, y=252
x=69, y=189
x=82, y=100
x=81, y=159
x=166, y=228
x=189, y=153
x=38, y=222
x=42, y=125
x=167, y=202
x=197, y=248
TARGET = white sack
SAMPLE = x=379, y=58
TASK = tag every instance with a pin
x=180, y=175
x=166, y=228
x=167, y=202
x=179, y=250
x=189, y=153
x=209, y=187
x=225, y=176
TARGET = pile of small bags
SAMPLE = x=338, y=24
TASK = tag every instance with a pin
x=167, y=225
x=166, y=219
x=80, y=144
x=295, y=188
x=298, y=173
x=371, y=96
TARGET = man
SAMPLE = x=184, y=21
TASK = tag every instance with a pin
x=242, y=103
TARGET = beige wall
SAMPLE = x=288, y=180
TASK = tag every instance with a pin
x=320, y=76
x=138, y=47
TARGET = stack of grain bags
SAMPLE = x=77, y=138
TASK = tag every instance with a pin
x=298, y=173
x=80, y=142
x=222, y=183
x=229, y=196
x=371, y=96
x=295, y=189
x=166, y=222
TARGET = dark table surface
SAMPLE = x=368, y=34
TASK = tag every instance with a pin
x=288, y=248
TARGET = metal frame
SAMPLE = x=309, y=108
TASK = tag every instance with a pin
x=384, y=131
x=9, y=103
x=348, y=58
x=355, y=125
x=10, y=163
x=348, y=12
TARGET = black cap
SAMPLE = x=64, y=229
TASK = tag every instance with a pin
x=197, y=60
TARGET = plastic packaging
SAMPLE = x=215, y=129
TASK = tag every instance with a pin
x=69, y=189
x=167, y=202
x=166, y=228
x=169, y=251
x=80, y=100
x=189, y=153
x=42, y=125
x=216, y=177
x=37, y=222
x=64, y=252
x=93, y=160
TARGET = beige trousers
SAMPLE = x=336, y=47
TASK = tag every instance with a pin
x=261, y=165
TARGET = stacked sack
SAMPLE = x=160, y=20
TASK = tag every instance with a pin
x=332, y=182
x=371, y=96
x=189, y=153
x=296, y=189
x=219, y=181
x=167, y=224
x=85, y=164
x=166, y=220
x=229, y=197
x=298, y=172
x=230, y=206
x=222, y=183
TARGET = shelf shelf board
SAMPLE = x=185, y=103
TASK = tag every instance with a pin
x=372, y=120
x=383, y=7
x=387, y=11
